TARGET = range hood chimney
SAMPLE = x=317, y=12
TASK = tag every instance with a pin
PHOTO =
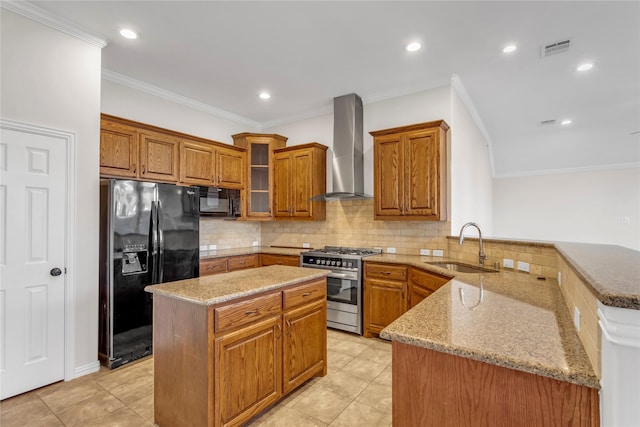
x=348, y=171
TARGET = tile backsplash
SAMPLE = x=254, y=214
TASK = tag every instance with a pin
x=350, y=223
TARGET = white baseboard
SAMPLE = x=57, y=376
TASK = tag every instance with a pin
x=81, y=371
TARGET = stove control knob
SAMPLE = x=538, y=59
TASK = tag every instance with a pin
x=350, y=264
x=317, y=261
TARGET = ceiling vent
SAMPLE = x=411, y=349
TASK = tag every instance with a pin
x=548, y=122
x=556, y=47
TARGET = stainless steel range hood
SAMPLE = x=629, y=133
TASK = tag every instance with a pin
x=348, y=171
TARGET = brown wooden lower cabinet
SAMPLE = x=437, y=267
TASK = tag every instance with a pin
x=430, y=388
x=391, y=289
x=276, y=259
x=223, y=364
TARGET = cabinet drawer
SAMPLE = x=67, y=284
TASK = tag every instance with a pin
x=213, y=266
x=305, y=293
x=385, y=271
x=430, y=281
x=242, y=262
x=271, y=259
x=245, y=312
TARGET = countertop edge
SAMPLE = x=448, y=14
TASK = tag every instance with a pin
x=157, y=289
x=496, y=360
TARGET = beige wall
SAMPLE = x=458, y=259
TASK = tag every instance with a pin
x=577, y=294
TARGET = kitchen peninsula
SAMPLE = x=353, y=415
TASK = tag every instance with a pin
x=229, y=345
x=506, y=342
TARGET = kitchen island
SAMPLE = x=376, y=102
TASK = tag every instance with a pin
x=230, y=345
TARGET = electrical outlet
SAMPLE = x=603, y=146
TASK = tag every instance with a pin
x=507, y=263
x=391, y=250
x=438, y=252
x=212, y=247
x=306, y=245
x=255, y=243
x=203, y=247
x=523, y=266
x=425, y=252
x=559, y=278
x=576, y=318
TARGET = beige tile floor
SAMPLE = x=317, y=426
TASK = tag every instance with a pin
x=356, y=392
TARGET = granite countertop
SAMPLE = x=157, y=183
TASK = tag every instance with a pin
x=221, y=253
x=217, y=288
x=510, y=319
x=613, y=272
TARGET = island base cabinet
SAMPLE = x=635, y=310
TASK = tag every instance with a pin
x=181, y=392
x=305, y=344
x=430, y=388
x=248, y=365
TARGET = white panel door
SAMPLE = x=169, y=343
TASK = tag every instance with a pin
x=32, y=244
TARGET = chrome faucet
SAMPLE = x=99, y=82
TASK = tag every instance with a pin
x=481, y=255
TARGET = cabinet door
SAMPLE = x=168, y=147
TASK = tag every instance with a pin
x=281, y=185
x=389, y=176
x=196, y=163
x=230, y=168
x=248, y=375
x=417, y=294
x=385, y=301
x=118, y=150
x=305, y=344
x=301, y=180
x=159, y=157
x=421, y=172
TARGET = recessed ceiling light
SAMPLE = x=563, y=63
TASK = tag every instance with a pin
x=566, y=122
x=510, y=48
x=412, y=47
x=264, y=95
x=584, y=67
x=128, y=34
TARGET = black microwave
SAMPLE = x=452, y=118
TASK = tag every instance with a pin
x=219, y=202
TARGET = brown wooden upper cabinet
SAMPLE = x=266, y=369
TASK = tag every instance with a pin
x=257, y=198
x=135, y=150
x=118, y=150
x=158, y=157
x=299, y=174
x=410, y=171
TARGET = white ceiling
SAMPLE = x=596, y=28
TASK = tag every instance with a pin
x=223, y=54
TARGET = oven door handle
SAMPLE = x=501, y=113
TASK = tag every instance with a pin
x=348, y=276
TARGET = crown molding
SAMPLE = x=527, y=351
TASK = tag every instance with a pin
x=599, y=168
x=174, y=97
x=42, y=16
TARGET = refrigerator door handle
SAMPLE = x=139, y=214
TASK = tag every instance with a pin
x=154, y=243
x=160, y=228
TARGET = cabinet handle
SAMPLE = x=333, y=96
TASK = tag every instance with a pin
x=386, y=272
x=213, y=178
x=306, y=294
x=288, y=332
x=278, y=334
x=250, y=312
x=135, y=168
x=144, y=168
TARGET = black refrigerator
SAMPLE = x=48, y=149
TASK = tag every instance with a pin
x=149, y=233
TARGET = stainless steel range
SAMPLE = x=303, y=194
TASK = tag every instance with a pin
x=344, y=283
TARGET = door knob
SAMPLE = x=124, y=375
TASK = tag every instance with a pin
x=55, y=271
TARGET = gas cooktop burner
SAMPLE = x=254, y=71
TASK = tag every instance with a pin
x=340, y=250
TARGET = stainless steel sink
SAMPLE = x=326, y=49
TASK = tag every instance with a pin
x=462, y=268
